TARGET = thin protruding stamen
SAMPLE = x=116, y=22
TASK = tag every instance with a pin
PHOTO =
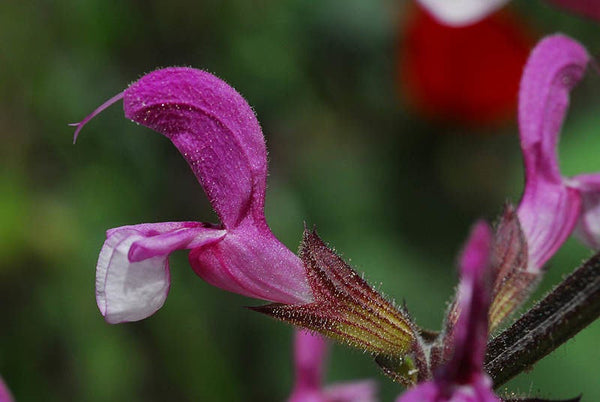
x=96, y=112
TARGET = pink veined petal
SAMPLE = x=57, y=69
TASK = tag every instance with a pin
x=588, y=225
x=186, y=237
x=253, y=263
x=217, y=133
x=5, y=395
x=215, y=130
x=212, y=126
x=153, y=229
x=461, y=12
x=131, y=291
x=548, y=210
x=547, y=213
x=587, y=8
x=554, y=67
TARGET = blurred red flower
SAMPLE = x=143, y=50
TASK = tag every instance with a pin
x=468, y=75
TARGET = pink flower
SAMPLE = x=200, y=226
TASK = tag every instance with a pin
x=465, y=12
x=217, y=133
x=5, y=395
x=309, y=357
x=552, y=205
x=462, y=378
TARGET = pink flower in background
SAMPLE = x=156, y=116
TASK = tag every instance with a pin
x=217, y=133
x=465, y=12
x=309, y=357
x=5, y=395
x=462, y=378
x=552, y=205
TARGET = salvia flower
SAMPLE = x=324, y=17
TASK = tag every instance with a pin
x=465, y=12
x=345, y=308
x=552, y=206
x=309, y=357
x=217, y=133
x=461, y=378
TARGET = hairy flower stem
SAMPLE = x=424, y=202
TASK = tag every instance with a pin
x=570, y=307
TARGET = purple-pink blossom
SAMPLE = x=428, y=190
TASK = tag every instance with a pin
x=552, y=205
x=462, y=378
x=548, y=213
x=310, y=352
x=217, y=133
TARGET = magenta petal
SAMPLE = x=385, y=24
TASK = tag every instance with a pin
x=588, y=8
x=547, y=214
x=309, y=356
x=554, y=67
x=131, y=291
x=462, y=379
x=588, y=225
x=217, y=133
x=358, y=391
x=479, y=390
x=548, y=210
x=215, y=130
x=471, y=329
x=184, y=235
x=425, y=392
x=309, y=359
x=5, y=395
x=252, y=262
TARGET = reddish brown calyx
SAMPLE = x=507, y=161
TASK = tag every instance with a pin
x=348, y=310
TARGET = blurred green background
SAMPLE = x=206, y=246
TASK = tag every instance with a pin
x=393, y=192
